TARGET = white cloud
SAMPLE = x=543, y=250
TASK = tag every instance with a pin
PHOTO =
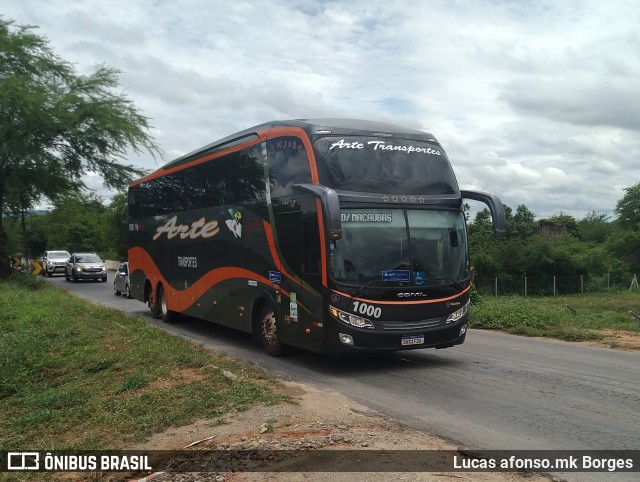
x=535, y=101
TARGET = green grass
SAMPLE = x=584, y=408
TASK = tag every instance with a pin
x=551, y=317
x=74, y=375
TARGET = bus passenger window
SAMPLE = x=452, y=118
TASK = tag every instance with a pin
x=288, y=164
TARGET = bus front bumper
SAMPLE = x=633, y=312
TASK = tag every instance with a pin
x=349, y=340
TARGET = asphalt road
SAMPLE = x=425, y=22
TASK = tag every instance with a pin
x=495, y=391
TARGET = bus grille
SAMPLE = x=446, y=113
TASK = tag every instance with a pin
x=409, y=325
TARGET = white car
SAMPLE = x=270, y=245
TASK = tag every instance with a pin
x=54, y=262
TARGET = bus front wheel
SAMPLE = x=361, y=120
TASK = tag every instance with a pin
x=269, y=332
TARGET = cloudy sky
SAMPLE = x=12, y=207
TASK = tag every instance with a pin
x=537, y=101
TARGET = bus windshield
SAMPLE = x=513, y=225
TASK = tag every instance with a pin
x=384, y=165
x=400, y=247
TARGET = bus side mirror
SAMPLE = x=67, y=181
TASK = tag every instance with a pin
x=495, y=207
x=330, y=207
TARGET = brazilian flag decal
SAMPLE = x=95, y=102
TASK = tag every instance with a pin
x=235, y=223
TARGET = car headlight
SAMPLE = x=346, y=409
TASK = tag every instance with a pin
x=349, y=319
x=456, y=315
x=78, y=269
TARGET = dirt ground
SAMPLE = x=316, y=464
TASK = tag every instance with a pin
x=319, y=420
x=322, y=420
x=619, y=340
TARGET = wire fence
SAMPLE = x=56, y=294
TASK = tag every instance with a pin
x=552, y=285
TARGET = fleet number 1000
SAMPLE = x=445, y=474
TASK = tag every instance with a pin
x=366, y=309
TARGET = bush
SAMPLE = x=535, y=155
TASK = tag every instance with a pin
x=474, y=296
x=24, y=278
x=515, y=315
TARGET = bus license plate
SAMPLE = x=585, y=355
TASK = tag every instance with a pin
x=412, y=340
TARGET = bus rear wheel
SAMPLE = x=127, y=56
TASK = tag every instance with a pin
x=160, y=307
x=269, y=332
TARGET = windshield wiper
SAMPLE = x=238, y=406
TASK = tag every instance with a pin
x=366, y=285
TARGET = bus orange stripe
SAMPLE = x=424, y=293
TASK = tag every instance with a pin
x=207, y=281
x=274, y=254
x=323, y=248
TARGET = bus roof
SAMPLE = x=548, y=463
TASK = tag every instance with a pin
x=314, y=128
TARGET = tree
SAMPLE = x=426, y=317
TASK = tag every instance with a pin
x=56, y=125
x=628, y=209
x=116, y=227
x=81, y=209
x=36, y=241
x=594, y=227
x=558, y=225
x=523, y=224
x=624, y=240
x=625, y=245
x=83, y=238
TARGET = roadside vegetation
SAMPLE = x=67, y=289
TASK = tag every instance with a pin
x=57, y=126
x=74, y=375
x=594, y=316
x=591, y=254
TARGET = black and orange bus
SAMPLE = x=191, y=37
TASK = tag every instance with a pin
x=332, y=235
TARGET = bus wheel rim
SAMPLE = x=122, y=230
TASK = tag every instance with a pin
x=269, y=327
x=163, y=303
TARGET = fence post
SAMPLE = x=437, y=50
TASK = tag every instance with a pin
x=581, y=284
x=637, y=317
x=609, y=279
x=495, y=287
x=554, y=285
x=525, y=286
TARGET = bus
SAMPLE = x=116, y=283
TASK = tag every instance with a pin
x=331, y=235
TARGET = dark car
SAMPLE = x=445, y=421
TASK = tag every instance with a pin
x=121, y=281
x=81, y=266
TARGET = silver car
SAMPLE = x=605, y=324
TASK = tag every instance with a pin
x=85, y=266
x=121, y=281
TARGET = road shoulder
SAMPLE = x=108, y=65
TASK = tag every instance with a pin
x=318, y=420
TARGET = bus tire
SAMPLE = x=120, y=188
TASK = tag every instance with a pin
x=166, y=314
x=154, y=306
x=269, y=325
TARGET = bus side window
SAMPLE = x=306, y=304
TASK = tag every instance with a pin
x=311, y=235
x=288, y=164
x=312, y=259
x=246, y=175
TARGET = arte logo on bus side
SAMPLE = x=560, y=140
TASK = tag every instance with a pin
x=200, y=227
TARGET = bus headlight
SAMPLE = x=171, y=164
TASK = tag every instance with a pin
x=456, y=315
x=350, y=319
